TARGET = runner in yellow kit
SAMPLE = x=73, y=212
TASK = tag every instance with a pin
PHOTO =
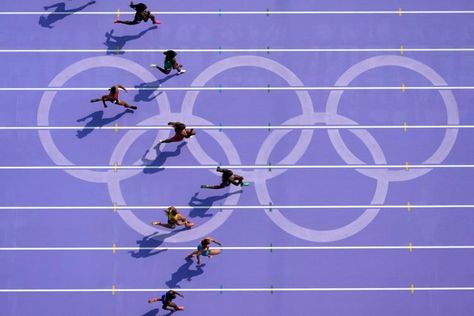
x=175, y=218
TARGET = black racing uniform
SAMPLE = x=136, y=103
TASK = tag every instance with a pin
x=142, y=14
x=168, y=298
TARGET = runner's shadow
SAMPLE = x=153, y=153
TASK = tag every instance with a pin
x=153, y=312
x=149, y=242
x=60, y=7
x=97, y=120
x=151, y=87
x=116, y=43
x=205, y=204
x=161, y=157
x=184, y=273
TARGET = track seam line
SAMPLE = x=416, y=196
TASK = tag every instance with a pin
x=241, y=248
x=266, y=12
x=241, y=207
x=240, y=127
x=132, y=167
x=272, y=289
x=242, y=88
x=243, y=50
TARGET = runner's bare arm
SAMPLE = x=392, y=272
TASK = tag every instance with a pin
x=122, y=87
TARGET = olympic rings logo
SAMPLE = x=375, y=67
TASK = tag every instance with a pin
x=260, y=177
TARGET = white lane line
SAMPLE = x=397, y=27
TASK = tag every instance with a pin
x=238, y=248
x=265, y=12
x=236, y=207
x=246, y=50
x=267, y=88
x=240, y=127
x=270, y=289
x=130, y=167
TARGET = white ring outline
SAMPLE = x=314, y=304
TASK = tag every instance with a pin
x=138, y=225
x=334, y=95
x=59, y=80
x=347, y=230
x=198, y=152
x=430, y=74
x=274, y=67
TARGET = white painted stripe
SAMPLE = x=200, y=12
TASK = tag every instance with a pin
x=270, y=289
x=129, y=167
x=240, y=127
x=237, y=248
x=281, y=88
x=236, y=207
x=244, y=50
x=265, y=12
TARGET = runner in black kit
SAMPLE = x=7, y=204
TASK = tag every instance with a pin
x=167, y=301
x=228, y=178
x=113, y=97
x=142, y=14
